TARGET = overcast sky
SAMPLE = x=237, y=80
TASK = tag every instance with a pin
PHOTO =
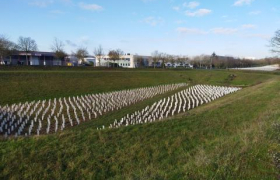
x=228, y=27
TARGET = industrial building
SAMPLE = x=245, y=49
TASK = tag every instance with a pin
x=35, y=58
x=128, y=60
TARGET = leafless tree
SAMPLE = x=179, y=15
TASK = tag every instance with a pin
x=164, y=58
x=217, y=62
x=140, y=61
x=156, y=57
x=81, y=53
x=27, y=45
x=7, y=47
x=58, y=48
x=99, y=54
x=173, y=59
x=115, y=55
x=182, y=59
x=170, y=58
x=275, y=42
x=185, y=59
x=201, y=61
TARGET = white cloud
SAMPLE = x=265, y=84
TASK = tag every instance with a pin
x=254, y=12
x=191, y=5
x=90, y=7
x=70, y=43
x=41, y=3
x=84, y=40
x=180, y=22
x=198, y=13
x=230, y=20
x=242, y=2
x=79, y=42
x=262, y=36
x=225, y=31
x=222, y=31
x=248, y=26
x=176, y=8
x=67, y=2
x=153, y=21
x=184, y=30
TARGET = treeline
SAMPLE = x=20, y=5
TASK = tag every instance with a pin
x=223, y=62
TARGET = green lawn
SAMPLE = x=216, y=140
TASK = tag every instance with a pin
x=230, y=138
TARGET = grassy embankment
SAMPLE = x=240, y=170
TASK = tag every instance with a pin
x=230, y=138
x=22, y=85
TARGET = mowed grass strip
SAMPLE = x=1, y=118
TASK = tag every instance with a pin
x=229, y=138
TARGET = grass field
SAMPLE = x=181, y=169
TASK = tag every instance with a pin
x=23, y=85
x=231, y=138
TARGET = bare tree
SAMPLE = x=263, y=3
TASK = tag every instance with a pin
x=115, y=55
x=201, y=61
x=181, y=60
x=173, y=60
x=58, y=48
x=26, y=44
x=185, y=59
x=156, y=57
x=140, y=61
x=99, y=53
x=217, y=62
x=164, y=57
x=81, y=53
x=7, y=48
x=275, y=42
x=170, y=59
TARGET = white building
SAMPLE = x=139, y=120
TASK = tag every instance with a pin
x=125, y=61
x=179, y=64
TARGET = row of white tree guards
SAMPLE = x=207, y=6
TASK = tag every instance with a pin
x=48, y=116
x=177, y=103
